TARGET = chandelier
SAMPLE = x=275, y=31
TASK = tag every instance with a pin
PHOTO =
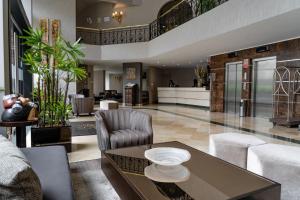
x=118, y=15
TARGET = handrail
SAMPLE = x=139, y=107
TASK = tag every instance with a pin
x=109, y=29
x=87, y=28
x=174, y=17
x=172, y=8
x=124, y=27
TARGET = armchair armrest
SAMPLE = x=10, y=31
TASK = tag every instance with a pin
x=102, y=133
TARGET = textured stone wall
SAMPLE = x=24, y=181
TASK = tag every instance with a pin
x=284, y=51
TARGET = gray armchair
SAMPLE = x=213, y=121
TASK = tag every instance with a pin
x=123, y=128
x=82, y=105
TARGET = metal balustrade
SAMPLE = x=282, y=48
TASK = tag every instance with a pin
x=176, y=16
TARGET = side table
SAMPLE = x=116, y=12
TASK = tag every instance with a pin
x=20, y=130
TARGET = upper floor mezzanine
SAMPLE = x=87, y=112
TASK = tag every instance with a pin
x=230, y=26
x=171, y=15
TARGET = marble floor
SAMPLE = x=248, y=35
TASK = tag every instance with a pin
x=191, y=126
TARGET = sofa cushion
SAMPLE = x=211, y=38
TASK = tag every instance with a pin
x=17, y=179
x=280, y=163
x=127, y=137
x=232, y=147
x=52, y=167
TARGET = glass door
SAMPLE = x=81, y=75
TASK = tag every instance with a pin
x=16, y=64
x=233, y=84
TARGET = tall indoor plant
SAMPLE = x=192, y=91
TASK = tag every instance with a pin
x=202, y=6
x=54, y=66
x=201, y=74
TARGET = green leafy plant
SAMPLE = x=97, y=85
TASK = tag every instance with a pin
x=55, y=67
x=201, y=72
x=202, y=6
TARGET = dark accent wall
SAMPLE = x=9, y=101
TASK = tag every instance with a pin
x=284, y=51
x=87, y=83
x=138, y=79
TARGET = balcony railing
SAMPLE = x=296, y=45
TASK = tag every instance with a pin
x=174, y=17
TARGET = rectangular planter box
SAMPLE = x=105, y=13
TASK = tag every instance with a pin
x=49, y=136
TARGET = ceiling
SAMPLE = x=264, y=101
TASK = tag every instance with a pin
x=82, y=4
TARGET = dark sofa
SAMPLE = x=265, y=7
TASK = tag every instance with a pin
x=52, y=167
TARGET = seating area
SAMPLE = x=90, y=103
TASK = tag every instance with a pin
x=122, y=128
x=273, y=161
x=34, y=173
x=149, y=100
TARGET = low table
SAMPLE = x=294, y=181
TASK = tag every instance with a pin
x=20, y=130
x=210, y=178
x=109, y=105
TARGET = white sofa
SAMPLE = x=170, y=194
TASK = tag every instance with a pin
x=232, y=147
x=280, y=163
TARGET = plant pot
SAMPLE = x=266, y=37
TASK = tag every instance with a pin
x=48, y=136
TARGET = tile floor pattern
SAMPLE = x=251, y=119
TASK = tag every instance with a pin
x=188, y=125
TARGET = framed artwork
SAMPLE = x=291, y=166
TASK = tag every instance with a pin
x=44, y=25
x=55, y=30
x=131, y=73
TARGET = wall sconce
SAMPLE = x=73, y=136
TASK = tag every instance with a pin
x=118, y=15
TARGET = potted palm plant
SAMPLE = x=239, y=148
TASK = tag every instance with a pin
x=54, y=67
x=201, y=74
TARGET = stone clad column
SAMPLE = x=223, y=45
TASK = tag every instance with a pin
x=247, y=86
x=132, y=73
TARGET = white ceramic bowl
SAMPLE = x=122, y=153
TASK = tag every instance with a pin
x=167, y=174
x=167, y=156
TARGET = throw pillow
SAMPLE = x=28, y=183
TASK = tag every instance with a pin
x=18, y=181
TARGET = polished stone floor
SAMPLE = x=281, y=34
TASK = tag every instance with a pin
x=191, y=126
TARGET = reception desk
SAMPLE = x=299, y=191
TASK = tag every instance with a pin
x=188, y=96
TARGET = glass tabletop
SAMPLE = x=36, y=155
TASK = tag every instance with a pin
x=203, y=177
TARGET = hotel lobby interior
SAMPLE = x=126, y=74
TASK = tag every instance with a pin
x=150, y=100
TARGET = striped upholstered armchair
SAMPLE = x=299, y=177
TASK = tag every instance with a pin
x=82, y=105
x=123, y=128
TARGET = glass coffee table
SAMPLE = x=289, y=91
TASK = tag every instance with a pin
x=203, y=177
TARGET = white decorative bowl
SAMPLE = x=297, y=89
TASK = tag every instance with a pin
x=167, y=174
x=167, y=156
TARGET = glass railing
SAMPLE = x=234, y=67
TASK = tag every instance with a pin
x=180, y=13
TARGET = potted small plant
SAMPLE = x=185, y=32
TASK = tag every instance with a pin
x=54, y=67
x=201, y=74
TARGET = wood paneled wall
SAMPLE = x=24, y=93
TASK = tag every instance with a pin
x=285, y=52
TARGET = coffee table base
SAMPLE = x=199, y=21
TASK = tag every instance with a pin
x=118, y=182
